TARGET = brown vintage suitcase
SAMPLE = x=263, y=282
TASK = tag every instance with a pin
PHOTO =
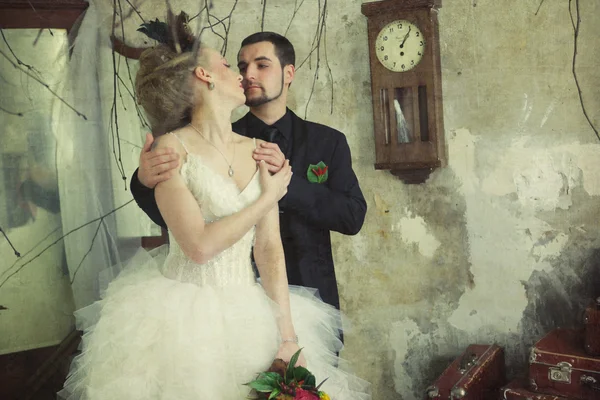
x=476, y=375
x=591, y=320
x=558, y=365
x=517, y=389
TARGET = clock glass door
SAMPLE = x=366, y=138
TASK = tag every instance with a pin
x=406, y=117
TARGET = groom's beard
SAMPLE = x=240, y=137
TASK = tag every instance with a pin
x=263, y=98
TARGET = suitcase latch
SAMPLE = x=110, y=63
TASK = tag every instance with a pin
x=432, y=392
x=560, y=373
x=457, y=393
x=590, y=381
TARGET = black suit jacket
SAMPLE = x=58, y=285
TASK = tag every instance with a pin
x=309, y=211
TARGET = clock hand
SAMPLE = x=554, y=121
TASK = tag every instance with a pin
x=405, y=36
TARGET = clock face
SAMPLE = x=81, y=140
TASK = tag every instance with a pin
x=400, y=45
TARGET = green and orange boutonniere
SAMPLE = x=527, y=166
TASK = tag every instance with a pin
x=317, y=173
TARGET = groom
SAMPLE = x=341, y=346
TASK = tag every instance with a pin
x=324, y=194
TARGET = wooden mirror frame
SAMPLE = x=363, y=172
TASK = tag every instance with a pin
x=42, y=14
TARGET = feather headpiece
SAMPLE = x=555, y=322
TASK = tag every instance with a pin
x=175, y=33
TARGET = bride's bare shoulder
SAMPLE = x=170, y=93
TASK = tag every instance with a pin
x=169, y=140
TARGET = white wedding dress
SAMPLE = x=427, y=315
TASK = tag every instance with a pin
x=168, y=328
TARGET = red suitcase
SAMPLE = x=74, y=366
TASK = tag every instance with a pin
x=591, y=320
x=517, y=389
x=476, y=375
x=558, y=365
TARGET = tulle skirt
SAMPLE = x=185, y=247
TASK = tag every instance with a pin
x=151, y=337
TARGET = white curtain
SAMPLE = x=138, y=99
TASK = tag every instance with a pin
x=90, y=178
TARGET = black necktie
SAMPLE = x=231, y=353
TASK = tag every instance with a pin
x=273, y=135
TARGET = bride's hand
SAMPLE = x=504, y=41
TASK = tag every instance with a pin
x=287, y=350
x=275, y=186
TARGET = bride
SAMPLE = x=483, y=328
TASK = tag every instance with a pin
x=195, y=324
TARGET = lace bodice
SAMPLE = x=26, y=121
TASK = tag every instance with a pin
x=218, y=197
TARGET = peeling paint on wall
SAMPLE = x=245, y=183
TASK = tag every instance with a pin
x=400, y=334
x=539, y=180
x=543, y=178
x=549, y=245
x=461, y=150
x=414, y=231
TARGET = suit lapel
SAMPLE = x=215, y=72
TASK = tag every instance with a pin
x=298, y=156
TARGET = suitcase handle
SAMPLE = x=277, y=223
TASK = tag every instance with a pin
x=590, y=381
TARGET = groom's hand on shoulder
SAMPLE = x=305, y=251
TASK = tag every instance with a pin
x=156, y=165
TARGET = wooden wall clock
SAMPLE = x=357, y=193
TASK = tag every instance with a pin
x=406, y=83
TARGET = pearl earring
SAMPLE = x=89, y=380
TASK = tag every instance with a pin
x=211, y=85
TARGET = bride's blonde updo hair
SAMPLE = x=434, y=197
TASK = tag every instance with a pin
x=163, y=83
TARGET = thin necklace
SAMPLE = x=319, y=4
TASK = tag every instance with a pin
x=230, y=172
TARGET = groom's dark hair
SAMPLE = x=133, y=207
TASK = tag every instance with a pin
x=283, y=48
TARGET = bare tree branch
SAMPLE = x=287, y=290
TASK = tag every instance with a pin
x=293, y=16
x=43, y=84
x=136, y=11
x=29, y=67
x=198, y=14
x=31, y=250
x=60, y=239
x=540, y=6
x=9, y=242
x=17, y=113
x=224, y=48
x=262, y=18
x=114, y=115
x=132, y=93
x=575, y=37
x=320, y=37
x=137, y=108
x=89, y=250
